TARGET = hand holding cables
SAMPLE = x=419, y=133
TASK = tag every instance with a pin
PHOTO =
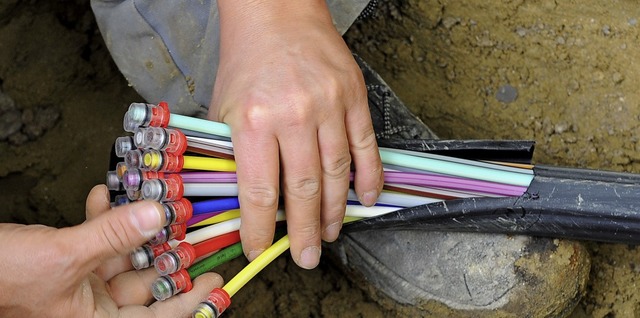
x=83, y=271
x=298, y=117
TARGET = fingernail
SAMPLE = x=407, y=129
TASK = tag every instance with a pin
x=253, y=254
x=332, y=231
x=369, y=198
x=147, y=219
x=310, y=257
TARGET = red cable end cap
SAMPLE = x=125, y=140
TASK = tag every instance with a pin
x=182, y=280
x=160, y=115
x=183, y=209
x=220, y=299
x=191, y=251
x=179, y=231
x=181, y=143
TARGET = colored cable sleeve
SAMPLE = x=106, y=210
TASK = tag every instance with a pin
x=448, y=182
x=224, y=216
x=197, y=134
x=231, y=189
x=215, y=243
x=409, y=178
x=217, y=229
x=359, y=211
x=209, y=263
x=201, y=217
x=208, y=164
x=210, y=189
x=460, y=161
x=389, y=156
x=523, y=150
x=349, y=219
x=199, y=125
x=215, y=205
x=209, y=177
x=214, y=230
x=208, y=232
x=511, y=164
x=396, y=199
x=259, y=263
x=455, y=169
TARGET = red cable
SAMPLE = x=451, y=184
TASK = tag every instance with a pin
x=216, y=243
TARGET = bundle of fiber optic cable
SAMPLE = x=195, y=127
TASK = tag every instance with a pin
x=187, y=165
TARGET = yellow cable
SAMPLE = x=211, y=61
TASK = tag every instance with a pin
x=224, y=216
x=348, y=219
x=208, y=164
x=260, y=262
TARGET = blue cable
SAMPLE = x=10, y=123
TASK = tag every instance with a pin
x=215, y=205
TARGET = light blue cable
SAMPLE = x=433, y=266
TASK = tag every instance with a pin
x=199, y=125
x=455, y=168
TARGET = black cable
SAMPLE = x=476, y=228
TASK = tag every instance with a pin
x=564, y=203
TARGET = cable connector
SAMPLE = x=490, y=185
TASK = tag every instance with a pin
x=144, y=256
x=173, y=231
x=133, y=158
x=134, y=195
x=157, y=160
x=145, y=115
x=113, y=182
x=217, y=302
x=177, y=212
x=181, y=257
x=122, y=145
x=166, y=286
x=120, y=199
x=163, y=190
x=170, y=140
x=133, y=178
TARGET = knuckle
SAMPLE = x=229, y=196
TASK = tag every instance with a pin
x=366, y=141
x=261, y=195
x=255, y=116
x=303, y=189
x=339, y=167
x=256, y=237
x=306, y=231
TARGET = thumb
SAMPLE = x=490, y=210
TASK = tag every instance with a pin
x=117, y=232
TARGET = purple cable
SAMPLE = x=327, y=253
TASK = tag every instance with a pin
x=408, y=178
x=455, y=183
x=208, y=177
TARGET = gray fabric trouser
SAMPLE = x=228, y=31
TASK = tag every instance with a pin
x=168, y=50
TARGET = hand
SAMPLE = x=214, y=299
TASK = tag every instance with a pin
x=296, y=103
x=84, y=271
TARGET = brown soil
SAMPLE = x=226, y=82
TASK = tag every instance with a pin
x=455, y=63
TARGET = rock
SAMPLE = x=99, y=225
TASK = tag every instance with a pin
x=39, y=120
x=507, y=94
x=6, y=102
x=10, y=123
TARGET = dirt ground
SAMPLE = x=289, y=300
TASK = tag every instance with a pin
x=563, y=73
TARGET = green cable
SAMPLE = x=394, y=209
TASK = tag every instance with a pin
x=455, y=168
x=219, y=258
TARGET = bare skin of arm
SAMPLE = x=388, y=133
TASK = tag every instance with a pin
x=296, y=103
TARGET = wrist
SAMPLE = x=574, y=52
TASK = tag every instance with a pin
x=242, y=19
